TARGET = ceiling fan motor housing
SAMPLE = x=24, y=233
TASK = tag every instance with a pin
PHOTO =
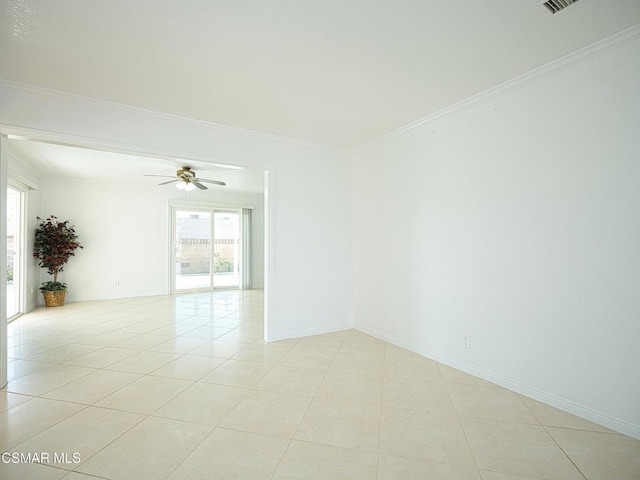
x=186, y=174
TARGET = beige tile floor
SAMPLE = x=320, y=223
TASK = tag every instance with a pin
x=184, y=387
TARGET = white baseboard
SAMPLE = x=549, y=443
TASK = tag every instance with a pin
x=582, y=411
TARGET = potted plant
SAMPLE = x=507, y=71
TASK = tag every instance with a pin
x=55, y=243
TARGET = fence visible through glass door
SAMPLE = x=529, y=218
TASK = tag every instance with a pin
x=207, y=255
x=226, y=249
x=192, y=250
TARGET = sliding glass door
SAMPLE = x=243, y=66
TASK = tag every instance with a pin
x=207, y=249
x=193, y=231
x=226, y=249
x=14, y=252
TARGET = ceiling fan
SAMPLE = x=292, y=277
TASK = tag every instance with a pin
x=185, y=179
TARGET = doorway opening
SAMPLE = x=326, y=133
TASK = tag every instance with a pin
x=94, y=162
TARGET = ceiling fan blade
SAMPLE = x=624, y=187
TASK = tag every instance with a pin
x=163, y=176
x=170, y=181
x=198, y=184
x=217, y=182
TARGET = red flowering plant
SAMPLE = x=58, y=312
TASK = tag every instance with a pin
x=55, y=243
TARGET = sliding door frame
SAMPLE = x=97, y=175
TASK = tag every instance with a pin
x=20, y=284
x=173, y=241
x=211, y=208
x=239, y=251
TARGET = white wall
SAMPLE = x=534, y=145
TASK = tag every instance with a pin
x=516, y=220
x=309, y=285
x=125, y=233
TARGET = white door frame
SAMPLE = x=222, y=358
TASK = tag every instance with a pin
x=21, y=262
x=4, y=169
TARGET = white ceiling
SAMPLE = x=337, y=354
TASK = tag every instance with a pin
x=61, y=161
x=335, y=72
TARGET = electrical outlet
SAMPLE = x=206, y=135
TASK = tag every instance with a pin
x=466, y=340
x=117, y=283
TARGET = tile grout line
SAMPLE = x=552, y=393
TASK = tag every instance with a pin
x=275, y=470
x=192, y=451
x=578, y=469
x=466, y=438
x=551, y=436
x=384, y=359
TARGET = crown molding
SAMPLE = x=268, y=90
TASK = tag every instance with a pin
x=567, y=62
x=538, y=74
x=214, y=127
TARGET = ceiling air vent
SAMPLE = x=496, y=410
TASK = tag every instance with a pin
x=554, y=6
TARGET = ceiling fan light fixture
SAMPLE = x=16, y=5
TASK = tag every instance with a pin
x=186, y=186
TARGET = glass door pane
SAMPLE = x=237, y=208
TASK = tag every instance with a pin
x=226, y=249
x=13, y=252
x=192, y=250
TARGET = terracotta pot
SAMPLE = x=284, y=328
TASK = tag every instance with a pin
x=54, y=298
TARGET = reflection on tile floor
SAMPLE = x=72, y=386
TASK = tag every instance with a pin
x=184, y=387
